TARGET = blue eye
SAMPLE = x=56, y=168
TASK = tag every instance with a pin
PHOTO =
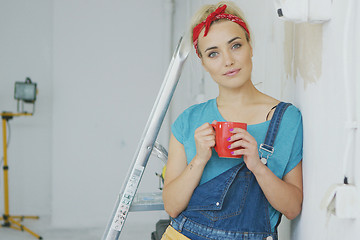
x=236, y=45
x=212, y=54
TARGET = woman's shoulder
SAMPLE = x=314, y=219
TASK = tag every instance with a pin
x=190, y=117
x=198, y=108
x=293, y=112
x=292, y=117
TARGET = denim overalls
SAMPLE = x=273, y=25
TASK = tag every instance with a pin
x=232, y=205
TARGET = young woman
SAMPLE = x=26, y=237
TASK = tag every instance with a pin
x=209, y=197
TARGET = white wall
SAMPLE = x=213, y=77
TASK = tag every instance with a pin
x=109, y=60
x=26, y=51
x=98, y=66
x=324, y=106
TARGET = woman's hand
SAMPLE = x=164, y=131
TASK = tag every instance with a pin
x=205, y=141
x=249, y=148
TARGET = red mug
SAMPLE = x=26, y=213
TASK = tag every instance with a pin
x=222, y=134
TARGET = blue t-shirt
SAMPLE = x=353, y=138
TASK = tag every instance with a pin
x=288, y=143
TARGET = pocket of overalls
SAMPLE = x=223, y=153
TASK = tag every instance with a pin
x=222, y=196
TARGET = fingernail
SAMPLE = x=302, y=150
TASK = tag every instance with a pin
x=232, y=153
x=229, y=146
x=231, y=129
x=229, y=139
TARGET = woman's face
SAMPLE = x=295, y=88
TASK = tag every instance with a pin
x=226, y=54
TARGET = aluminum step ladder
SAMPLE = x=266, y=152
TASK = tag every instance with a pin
x=147, y=145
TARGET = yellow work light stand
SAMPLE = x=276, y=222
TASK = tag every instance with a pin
x=8, y=220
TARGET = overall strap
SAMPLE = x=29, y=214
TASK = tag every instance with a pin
x=266, y=149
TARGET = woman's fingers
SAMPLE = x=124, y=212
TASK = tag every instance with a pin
x=241, y=134
x=204, y=140
x=205, y=130
x=242, y=151
x=242, y=139
x=240, y=143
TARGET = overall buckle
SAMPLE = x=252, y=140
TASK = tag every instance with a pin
x=269, y=150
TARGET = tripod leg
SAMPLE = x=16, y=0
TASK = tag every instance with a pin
x=21, y=218
x=23, y=228
x=5, y=168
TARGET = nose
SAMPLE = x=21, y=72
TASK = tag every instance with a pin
x=228, y=59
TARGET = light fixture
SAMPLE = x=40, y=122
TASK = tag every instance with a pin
x=25, y=92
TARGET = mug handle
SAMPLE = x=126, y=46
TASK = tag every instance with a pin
x=214, y=127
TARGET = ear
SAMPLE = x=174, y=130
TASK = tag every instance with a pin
x=251, y=50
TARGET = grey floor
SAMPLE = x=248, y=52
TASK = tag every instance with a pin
x=42, y=227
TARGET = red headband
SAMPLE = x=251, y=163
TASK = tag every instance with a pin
x=219, y=13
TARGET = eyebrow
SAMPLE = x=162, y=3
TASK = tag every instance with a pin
x=230, y=41
x=235, y=38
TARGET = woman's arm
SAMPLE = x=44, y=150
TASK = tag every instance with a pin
x=285, y=195
x=181, y=178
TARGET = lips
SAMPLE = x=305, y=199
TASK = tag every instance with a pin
x=232, y=72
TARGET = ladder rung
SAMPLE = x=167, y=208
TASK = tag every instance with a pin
x=147, y=202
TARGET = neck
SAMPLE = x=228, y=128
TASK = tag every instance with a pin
x=245, y=95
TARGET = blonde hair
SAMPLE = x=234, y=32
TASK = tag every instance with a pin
x=206, y=10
